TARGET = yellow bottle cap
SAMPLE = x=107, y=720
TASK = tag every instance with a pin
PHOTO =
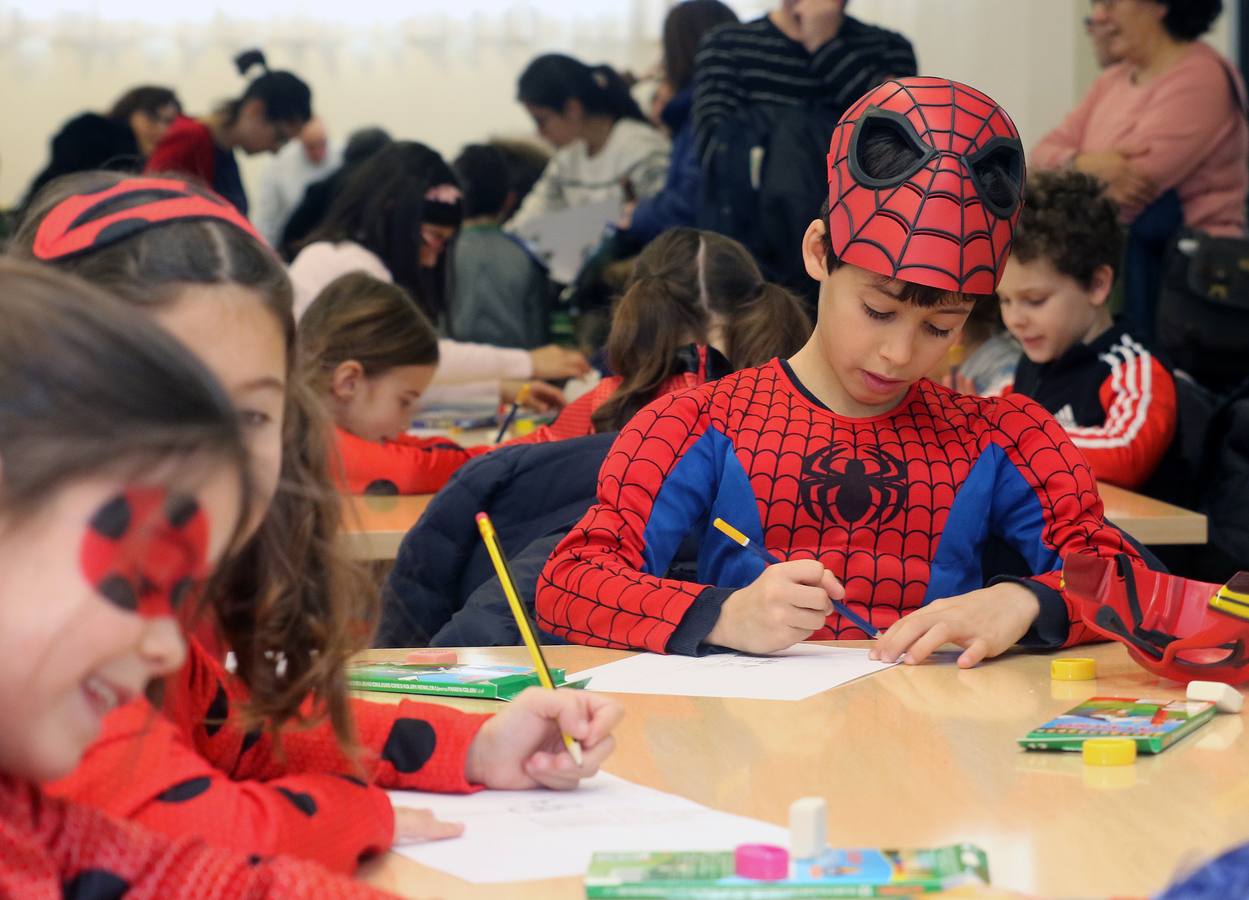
x=1073, y=669
x=1109, y=752
x=523, y=427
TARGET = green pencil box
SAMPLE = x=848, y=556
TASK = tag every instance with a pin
x=1153, y=724
x=481, y=682
x=835, y=873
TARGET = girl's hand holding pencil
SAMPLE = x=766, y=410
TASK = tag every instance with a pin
x=522, y=747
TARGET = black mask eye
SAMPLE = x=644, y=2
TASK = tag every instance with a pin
x=885, y=151
x=997, y=172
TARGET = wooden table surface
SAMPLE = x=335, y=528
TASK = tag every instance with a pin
x=374, y=526
x=921, y=756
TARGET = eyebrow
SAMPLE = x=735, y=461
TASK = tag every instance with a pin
x=267, y=382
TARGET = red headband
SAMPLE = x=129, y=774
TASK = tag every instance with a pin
x=71, y=229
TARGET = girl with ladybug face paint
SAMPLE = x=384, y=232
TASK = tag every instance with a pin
x=120, y=469
x=217, y=752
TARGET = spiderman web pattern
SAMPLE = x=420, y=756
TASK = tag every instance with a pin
x=933, y=228
x=596, y=595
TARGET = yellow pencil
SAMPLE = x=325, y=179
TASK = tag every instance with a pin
x=527, y=630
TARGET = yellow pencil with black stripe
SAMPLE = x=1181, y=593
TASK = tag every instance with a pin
x=528, y=632
x=766, y=556
x=1233, y=597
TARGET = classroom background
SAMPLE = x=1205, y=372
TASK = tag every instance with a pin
x=410, y=72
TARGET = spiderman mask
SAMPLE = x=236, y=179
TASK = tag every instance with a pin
x=1178, y=628
x=145, y=549
x=945, y=215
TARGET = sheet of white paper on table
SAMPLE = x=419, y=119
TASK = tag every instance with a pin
x=802, y=671
x=527, y=835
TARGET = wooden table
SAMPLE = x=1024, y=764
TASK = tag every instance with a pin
x=921, y=756
x=1151, y=521
x=374, y=526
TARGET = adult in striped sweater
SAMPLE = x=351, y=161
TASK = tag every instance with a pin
x=802, y=51
x=1115, y=399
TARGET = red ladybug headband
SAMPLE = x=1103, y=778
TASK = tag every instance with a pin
x=936, y=223
x=88, y=222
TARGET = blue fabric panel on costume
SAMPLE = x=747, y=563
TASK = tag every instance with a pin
x=682, y=501
x=1017, y=516
x=956, y=566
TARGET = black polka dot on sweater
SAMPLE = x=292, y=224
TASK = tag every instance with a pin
x=303, y=802
x=186, y=790
x=250, y=739
x=409, y=745
x=180, y=509
x=255, y=859
x=353, y=779
x=113, y=519
x=218, y=710
x=95, y=884
x=382, y=488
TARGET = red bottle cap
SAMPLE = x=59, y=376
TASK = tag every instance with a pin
x=762, y=862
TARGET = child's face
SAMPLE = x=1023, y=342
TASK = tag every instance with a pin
x=875, y=344
x=68, y=654
x=382, y=407
x=1049, y=312
x=558, y=127
x=236, y=336
x=434, y=239
x=256, y=133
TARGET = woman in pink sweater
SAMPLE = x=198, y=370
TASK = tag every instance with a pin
x=1171, y=115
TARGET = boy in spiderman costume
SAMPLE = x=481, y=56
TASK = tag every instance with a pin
x=869, y=481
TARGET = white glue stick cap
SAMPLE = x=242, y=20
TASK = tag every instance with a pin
x=808, y=827
x=1226, y=699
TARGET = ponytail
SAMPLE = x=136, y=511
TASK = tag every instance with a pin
x=553, y=79
x=656, y=317
x=682, y=279
x=773, y=324
x=285, y=96
x=611, y=96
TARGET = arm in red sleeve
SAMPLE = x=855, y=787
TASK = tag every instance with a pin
x=574, y=419
x=1140, y=405
x=50, y=847
x=194, y=767
x=407, y=465
x=598, y=587
x=1052, y=512
x=186, y=148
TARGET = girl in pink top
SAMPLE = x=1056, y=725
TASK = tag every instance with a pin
x=1170, y=115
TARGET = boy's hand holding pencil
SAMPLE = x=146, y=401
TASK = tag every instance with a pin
x=786, y=604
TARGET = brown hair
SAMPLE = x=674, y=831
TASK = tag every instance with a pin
x=684, y=28
x=289, y=595
x=683, y=278
x=87, y=386
x=373, y=322
x=1068, y=220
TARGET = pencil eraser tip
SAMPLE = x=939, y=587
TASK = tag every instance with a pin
x=1226, y=699
x=480, y=517
x=431, y=657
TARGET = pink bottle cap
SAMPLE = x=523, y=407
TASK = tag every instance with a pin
x=432, y=657
x=762, y=862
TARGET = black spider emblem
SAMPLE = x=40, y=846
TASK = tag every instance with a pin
x=834, y=477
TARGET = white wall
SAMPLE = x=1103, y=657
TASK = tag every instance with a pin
x=450, y=83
